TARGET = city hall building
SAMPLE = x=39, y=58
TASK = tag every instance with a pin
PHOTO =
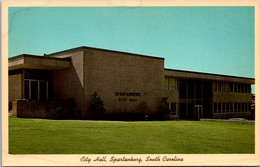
x=125, y=82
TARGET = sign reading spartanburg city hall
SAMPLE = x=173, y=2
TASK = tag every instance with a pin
x=125, y=99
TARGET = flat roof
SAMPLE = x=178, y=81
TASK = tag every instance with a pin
x=38, y=56
x=107, y=50
x=37, y=62
x=206, y=76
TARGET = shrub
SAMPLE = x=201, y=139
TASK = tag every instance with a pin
x=164, y=109
x=96, y=108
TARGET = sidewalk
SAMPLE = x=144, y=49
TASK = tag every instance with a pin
x=233, y=120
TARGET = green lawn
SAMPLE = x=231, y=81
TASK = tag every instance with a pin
x=42, y=136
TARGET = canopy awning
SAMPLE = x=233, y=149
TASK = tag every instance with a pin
x=37, y=62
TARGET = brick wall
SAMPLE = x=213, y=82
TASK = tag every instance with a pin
x=112, y=73
x=48, y=109
x=234, y=115
x=15, y=87
x=68, y=83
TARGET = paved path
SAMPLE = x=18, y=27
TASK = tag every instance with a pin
x=252, y=122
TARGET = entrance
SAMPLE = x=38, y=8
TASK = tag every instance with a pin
x=198, y=112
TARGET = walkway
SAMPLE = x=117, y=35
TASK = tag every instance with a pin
x=233, y=120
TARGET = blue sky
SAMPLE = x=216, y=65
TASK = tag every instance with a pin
x=205, y=39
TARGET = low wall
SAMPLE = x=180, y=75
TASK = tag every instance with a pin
x=44, y=109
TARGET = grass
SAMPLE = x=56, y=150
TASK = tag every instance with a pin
x=41, y=136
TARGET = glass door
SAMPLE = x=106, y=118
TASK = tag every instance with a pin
x=198, y=112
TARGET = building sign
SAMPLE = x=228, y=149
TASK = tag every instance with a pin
x=130, y=96
x=127, y=94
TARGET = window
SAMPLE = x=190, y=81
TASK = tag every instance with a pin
x=215, y=107
x=182, y=89
x=198, y=89
x=231, y=107
x=219, y=107
x=219, y=86
x=248, y=107
x=190, y=89
x=243, y=88
x=231, y=85
x=223, y=86
x=43, y=90
x=215, y=86
x=227, y=87
x=170, y=83
x=227, y=108
x=238, y=87
x=26, y=89
x=166, y=83
x=243, y=107
x=35, y=89
x=173, y=108
x=235, y=107
x=223, y=107
x=239, y=107
x=248, y=88
x=235, y=87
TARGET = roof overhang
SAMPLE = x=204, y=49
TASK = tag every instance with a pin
x=37, y=62
x=206, y=76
